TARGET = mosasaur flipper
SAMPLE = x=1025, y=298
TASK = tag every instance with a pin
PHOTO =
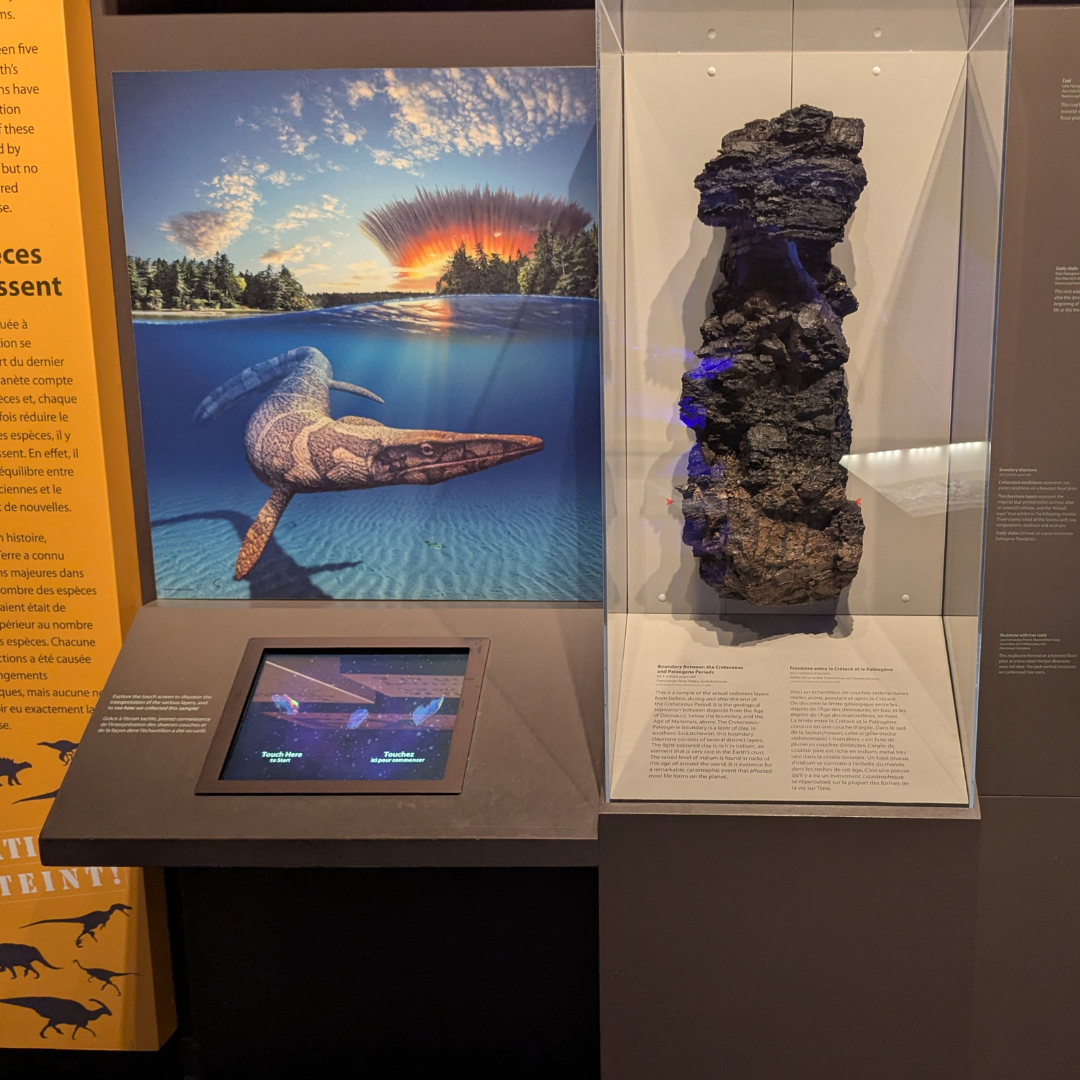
x=295, y=446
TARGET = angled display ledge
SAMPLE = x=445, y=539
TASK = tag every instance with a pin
x=532, y=778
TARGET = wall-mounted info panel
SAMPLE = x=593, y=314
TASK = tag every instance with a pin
x=365, y=320
x=801, y=222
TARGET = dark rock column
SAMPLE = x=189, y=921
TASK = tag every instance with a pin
x=765, y=504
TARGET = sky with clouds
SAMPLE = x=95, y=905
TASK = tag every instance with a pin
x=278, y=166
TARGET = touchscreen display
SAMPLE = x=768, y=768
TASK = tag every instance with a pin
x=362, y=715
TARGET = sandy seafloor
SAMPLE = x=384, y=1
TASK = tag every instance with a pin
x=527, y=530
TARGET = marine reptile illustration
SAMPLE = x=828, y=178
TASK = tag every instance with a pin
x=101, y=975
x=13, y=955
x=93, y=920
x=58, y=1011
x=295, y=446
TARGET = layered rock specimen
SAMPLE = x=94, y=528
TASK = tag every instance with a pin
x=765, y=505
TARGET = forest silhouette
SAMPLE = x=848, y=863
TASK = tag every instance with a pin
x=557, y=266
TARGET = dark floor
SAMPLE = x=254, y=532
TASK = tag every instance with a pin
x=92, y=1064
x=380, y=973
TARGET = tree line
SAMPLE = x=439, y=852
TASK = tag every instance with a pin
x=193, y=284
x=557, y=266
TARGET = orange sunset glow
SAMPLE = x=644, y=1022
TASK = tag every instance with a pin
x=423, y=257
x=418, y=235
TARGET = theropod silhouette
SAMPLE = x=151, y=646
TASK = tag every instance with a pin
x=101, y=975
x=13, y=955
x=94, y=920
x=64, y=747
x=11, y=769
x=57, y=1011
x=295, y=446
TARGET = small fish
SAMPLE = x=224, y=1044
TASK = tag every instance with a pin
x=436, y=544
x=357, y=719
x=422, y=712
x=283, y=701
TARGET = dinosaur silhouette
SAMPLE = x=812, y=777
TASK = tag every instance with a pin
x=13, y=955
x=295, y=446
x=94, y=920
x=11, y=769
x=59, y=1011
x=64, y=748
x=101, y=975
x=34, y=798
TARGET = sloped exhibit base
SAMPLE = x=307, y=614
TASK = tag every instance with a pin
x=788, y=708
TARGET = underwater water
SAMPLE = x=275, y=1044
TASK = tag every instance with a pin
x=526, y=530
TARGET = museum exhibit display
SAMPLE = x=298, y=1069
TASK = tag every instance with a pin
x=406, y=396
x=359, y=328
x=355, y=285
x=801, y=218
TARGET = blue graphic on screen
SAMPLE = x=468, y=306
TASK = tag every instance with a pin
x=374, y=715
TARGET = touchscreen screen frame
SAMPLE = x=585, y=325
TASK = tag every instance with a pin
x=243, y=688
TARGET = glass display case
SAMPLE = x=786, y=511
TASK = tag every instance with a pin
x=800, y=207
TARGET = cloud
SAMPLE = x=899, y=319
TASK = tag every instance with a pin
x=276, y=255
x=311, y=268
x=300, y=215
x=202, y=232
x=472, y=111
x=467, y=111
x=432, y=113
x=281, y=178
x=359, y=90
x=292, y=141
x=388, y=157
x=336, y=126
x=235, y=189
x=232, y=195
x=367, y=276
x=282, y=120
x=340, y=132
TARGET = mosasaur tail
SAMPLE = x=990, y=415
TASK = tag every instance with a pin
x=256, y=377
x=262, y=528
x=263, y=375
